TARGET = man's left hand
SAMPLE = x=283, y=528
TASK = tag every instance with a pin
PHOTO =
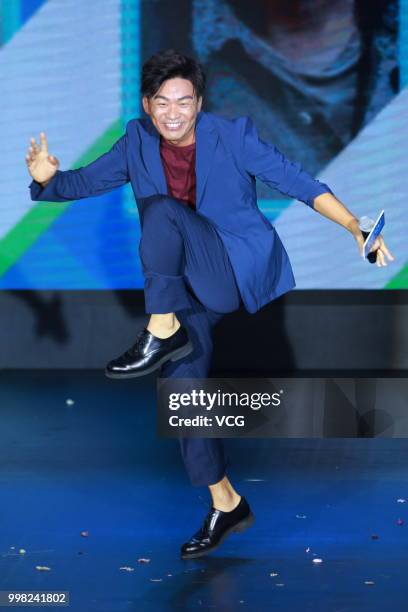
x=379, y=246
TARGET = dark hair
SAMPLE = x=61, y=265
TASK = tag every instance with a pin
x=168, y=64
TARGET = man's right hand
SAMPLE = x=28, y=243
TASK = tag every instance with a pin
x=40, y=164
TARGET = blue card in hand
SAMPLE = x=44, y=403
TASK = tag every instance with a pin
x=374, y=233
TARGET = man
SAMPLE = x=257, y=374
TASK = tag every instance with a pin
x=205, y=246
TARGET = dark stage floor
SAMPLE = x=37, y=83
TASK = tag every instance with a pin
x=79, y=453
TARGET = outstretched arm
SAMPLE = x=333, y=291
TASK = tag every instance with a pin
x=100, y=176
x=267, y=163
x=270, y=166
x=329, y=206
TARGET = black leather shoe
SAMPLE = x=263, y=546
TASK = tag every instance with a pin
x=149, y=353
x=217, y=526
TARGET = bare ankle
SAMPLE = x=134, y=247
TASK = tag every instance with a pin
x=226, y=503
x=163, y=325
x=224, y=495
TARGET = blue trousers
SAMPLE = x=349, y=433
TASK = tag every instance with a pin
x=187, y=271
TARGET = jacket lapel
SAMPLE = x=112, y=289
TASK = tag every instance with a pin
x=206, y=141
x=151, y=156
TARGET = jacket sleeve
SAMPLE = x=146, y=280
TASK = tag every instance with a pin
x=100, y=176
x=269, y=165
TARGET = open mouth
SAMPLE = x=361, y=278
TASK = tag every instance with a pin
x=173, y=125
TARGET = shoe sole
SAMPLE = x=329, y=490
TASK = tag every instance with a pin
x=175, y=356
x=238, y=528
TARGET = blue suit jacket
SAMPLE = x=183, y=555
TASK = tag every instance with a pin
x=229, y=155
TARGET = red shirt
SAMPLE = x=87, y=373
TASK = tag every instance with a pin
x=179, y=169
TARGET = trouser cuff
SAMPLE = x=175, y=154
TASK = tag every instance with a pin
x=165, y=293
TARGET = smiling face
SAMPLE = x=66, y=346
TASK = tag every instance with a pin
x=173, y=110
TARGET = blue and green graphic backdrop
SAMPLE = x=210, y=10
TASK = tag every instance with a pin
x=72, y=69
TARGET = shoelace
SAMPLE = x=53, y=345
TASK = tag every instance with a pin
x=209, y=518
x=209, y=508
x=134, y=349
